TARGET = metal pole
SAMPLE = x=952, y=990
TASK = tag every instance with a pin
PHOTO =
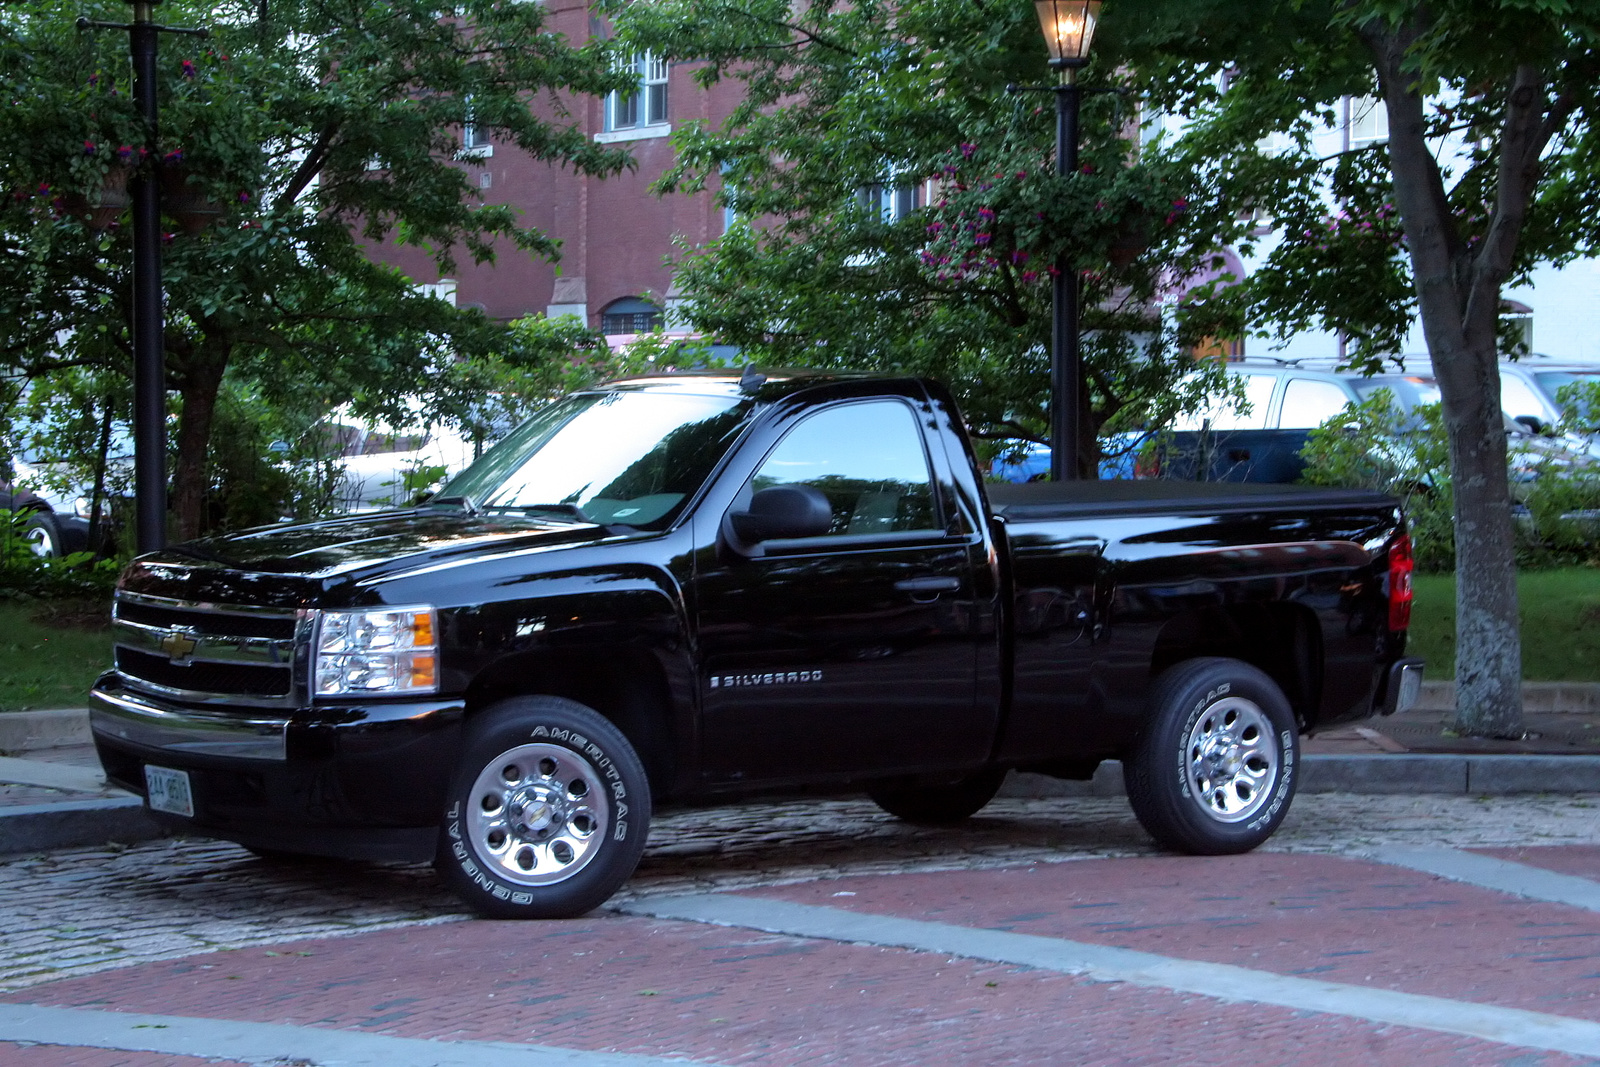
x=1066, y=365
x=149, y=359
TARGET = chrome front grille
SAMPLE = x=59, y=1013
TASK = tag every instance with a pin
x=210, y=653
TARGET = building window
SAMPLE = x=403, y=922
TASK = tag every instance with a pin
x=646, y=106
x=891, y=202
x=631, y=315
x=1368, y=122
x=474, y=139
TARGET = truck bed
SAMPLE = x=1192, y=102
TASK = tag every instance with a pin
x=1038, y=501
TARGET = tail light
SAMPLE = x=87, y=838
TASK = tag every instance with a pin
x=1401, y=564
x=1147, y=463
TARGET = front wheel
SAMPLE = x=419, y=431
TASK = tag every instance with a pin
x=43, y=535
x=1215, y=770
x=548, y=812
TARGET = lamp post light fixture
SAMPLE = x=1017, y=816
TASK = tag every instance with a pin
x=1068, y=27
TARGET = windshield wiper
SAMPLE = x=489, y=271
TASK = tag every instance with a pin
x=571, y=511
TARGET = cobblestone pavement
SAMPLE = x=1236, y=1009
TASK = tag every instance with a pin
x=79, y=911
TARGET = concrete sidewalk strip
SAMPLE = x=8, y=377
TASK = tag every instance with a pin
x=266, y=1043
x=1225, y=982
x=54, y=776
x=1488, y=872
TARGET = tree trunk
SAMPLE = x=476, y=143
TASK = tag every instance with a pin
x=1458, y=295
x=202, y=382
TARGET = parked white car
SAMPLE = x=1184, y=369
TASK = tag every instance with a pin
x=378, y=459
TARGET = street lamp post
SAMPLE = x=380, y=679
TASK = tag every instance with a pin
x=149, y=356
x=1069, y=27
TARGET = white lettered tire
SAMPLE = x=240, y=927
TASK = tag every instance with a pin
x=547, y=814
x=1215, y=768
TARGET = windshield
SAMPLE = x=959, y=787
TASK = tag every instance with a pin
x=623, y=457
x=1553, y=381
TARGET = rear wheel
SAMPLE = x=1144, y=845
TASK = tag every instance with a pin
x=1215, y=770
x=940, y=805
x=548, y=812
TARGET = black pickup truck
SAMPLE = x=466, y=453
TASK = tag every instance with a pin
x=700, y=585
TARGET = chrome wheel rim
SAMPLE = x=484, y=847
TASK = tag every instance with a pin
x=40, y=543
x=1231, y=760
x=537, y=814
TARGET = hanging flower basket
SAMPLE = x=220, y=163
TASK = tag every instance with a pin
x=101, y=214
x=185, y=200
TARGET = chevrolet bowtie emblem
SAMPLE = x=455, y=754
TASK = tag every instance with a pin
x=178, y=646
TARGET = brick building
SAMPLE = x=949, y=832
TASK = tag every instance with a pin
x=615, y=234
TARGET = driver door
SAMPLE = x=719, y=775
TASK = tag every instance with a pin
x=852, y=652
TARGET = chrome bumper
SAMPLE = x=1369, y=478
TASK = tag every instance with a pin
x=118, y=713
x=1405, y=686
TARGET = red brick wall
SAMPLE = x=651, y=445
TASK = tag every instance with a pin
x=614, y=233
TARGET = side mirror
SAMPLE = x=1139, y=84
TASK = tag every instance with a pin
x=1532, y=423
x=783, y=511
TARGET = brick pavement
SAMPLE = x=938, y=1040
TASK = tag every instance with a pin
x=138, y=929
x=736, y=997
x=1581, y=860
x=1334, y=918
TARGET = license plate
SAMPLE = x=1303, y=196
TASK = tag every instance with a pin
x=168, y=791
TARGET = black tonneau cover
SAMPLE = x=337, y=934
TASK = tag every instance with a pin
x=1035, y=501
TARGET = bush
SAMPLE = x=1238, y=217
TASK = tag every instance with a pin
x=1379, y=445
x=24, y=574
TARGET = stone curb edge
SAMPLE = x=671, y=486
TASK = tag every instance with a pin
x=1381, y=773
x=74, y=823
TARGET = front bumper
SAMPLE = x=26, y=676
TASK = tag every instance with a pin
x=358, y=781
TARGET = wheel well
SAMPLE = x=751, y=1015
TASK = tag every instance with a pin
x=626, y=686
x=1281, y=639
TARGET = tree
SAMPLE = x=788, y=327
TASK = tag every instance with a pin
x=849, y=113
x=311, y=133
x=1487, y=169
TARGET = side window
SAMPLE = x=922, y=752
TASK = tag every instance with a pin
x=867, y=459
x=1226, y=415
x=1308, y=402
x=1517, y=398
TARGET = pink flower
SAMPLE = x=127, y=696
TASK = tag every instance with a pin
x=188, y=68
x=967, y=150
x=174, y=156
x=89, y=149
x=124, y=152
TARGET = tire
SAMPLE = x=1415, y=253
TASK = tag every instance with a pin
x=547, y=814
x=43, y=536
x=940, y=805
x=1215, y=770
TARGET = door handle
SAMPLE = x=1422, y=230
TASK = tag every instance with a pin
x=931, y=586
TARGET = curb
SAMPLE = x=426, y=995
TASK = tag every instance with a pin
x=23, y=731
x=1394, y=774
x=76, y=823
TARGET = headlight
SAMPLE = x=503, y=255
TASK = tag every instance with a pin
x=393, y=650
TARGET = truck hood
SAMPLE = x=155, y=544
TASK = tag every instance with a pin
x=304, y=560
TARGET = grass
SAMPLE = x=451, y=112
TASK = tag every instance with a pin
x=50, y=653
x=1560, y=624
